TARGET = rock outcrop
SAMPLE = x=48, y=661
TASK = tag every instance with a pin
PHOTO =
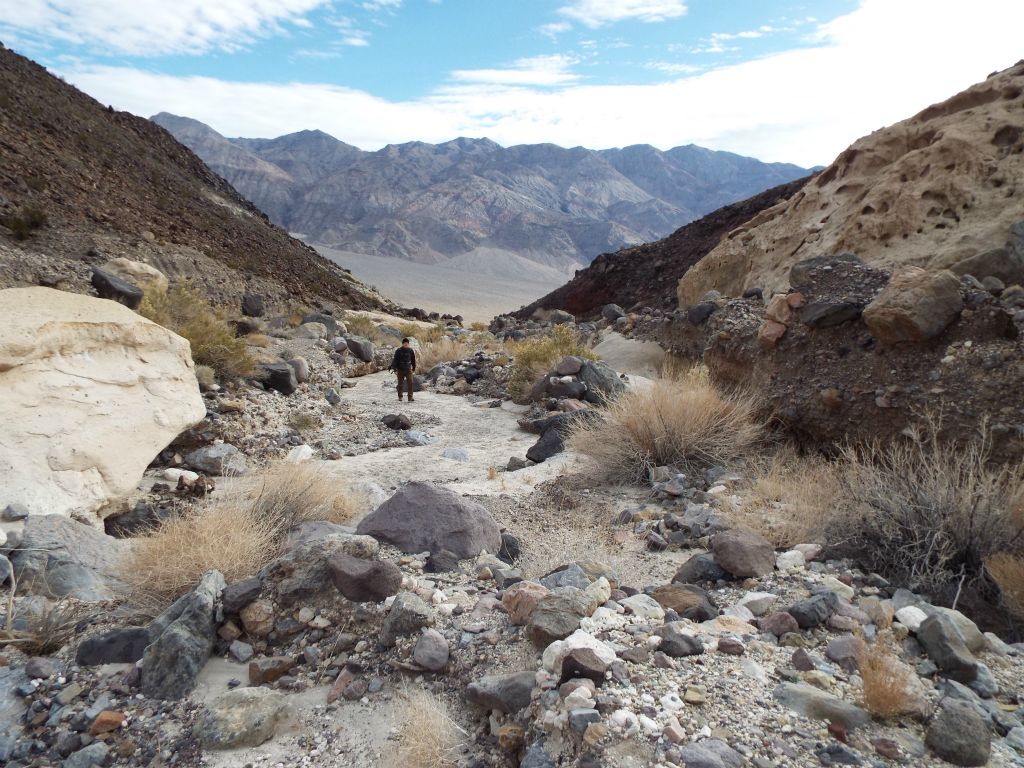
x=932, y=191
x=92, y=392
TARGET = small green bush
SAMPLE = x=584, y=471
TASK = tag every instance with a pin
x=534, y=357
x=182, y=309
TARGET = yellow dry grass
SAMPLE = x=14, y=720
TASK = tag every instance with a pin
x=236, y=536
x=428, y=736
x=685, y=422
x=444, y=350
x=891, y=687
x=1007, y=571
x=532, y=358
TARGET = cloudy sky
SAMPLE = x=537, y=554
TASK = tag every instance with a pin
x=784, y=80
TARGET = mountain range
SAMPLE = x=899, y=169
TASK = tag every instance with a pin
x=430, y=203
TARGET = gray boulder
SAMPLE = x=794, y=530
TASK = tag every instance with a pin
x=743, y=553
x=12, y=710
x=223, y=459
x=110, y=286
x=328, y=321
x=408, y=614
x=60, y=557
x=431, y=651
x=958, y=735
x=279, y=377
x=364, y=581
x=558, y=615
x=302, y=571
x=252, y=305
x=507, y=693
x=945, y=645
x=244, y=717
x=183, y=637
x=1006, y=264
x=124, y=645
x=710, y=753
x=603, y=383
x=361, y=348
x=612, y=312
x=423, y=517
x=816, y=704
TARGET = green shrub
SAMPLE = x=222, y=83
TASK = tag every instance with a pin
x=535, y=357
x=182, y=309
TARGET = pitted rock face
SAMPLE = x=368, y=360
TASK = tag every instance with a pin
x=92, y=392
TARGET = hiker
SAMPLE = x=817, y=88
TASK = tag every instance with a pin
x=404, y=365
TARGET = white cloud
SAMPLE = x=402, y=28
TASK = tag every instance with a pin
x=673, y=67
x=597, y=13
x=879, y=64
x=555, y=28
x=538, y=70
x=154, y=27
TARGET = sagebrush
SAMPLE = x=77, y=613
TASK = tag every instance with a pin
x=531, y=358
x=891, y=687
x=182, y=309
x=428, y=737
x=684, y=422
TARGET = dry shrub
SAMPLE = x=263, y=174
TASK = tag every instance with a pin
x=535, y=357
x=442, y=351
x=42, y=631
x=428, y=736
x=229, y=536
x=303, y=421
x=360, y=325
x=206, y=376
x=478, y=326
x=790, y=499
x=182, y=309
x=258, y=340
x=928, y=513
x=236, y=536
x=1007, y=571
x=685, y=422
x=421, y=333
x=891, y=687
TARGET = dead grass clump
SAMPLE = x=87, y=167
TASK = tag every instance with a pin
x=229, y=536
x=535, y=357
x=444, y=350
x=928, y=513
x=206, y=376
x=42, y=631
x=685, y=422
x=790, y=499
x=1007, y=571
x=428, y=736
x=258, y=340
x=891, y=687
x=236, y=536
x=182, y=309
x=421, y=333
x=360, y=325
x=303, y=421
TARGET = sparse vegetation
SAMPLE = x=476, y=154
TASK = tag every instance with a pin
x=1007, y=571
x=535, y=357
x=182, y=309
x=26, y=223
x=206, y=376
x=478, y=326
x=442, y=351
x=237, y=536
x=685, y=422
x=428, y=737
x=43, y=629
x=421, y=333
x=304, y=421
x=891, y=687
x=926, y=512
x=258, y=340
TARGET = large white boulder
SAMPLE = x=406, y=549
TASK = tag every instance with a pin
x=91, y=393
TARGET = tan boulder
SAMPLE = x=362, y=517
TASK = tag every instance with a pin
x=138, y=273
x=92, y=392
x=916, y=305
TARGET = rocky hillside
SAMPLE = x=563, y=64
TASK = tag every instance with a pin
x=428, y=203
x=81, y=184
x=647, y=275
x=930, y=191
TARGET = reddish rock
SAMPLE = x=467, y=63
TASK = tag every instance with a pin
x=770, y=334
x=269, y=669
x=779, y=309
x=521, y=599
x=106, y=721
x=779, y=623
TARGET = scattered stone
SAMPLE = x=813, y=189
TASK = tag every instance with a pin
x=916, y=305
x=431, y=651
x=818, y=705
x=676, y=645
x=224, y=459
x=958, y=735
x=278, y=376
x=364, y=581
x=814, y=611
x=507, y=693
x=238, y=595
x=245, y=717
x=944, y=644
x=408, y=614
x=743, y=553
x=397, y=421
x=269, y=668
x=123, y=645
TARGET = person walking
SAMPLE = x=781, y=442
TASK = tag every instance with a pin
x=404, y=366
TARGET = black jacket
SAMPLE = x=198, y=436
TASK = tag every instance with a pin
x=404, y=359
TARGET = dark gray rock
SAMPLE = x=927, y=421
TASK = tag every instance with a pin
x=361, y=348
x=551, y=443
x=699, y=313
x=302, y=572
x=112, y=287
x=510, y=549
x=408, y=614
x=958, y=735
x=572, y=389
x=60, y=557
x=710, y=753
x=743, y=553
x=558, y=615
x=423, y=517
x=431, y=651
x=676, y=644
x=442, y=561
x=141, y=518
x=397, y=421
x=612, y=312
x=124, y=645
x=700, y=568
x=816, y=704
x=6, y=570
x=222, y=459
x=12, y=710
x=826, y=314
x=1005, y=264
x=814, y=611
x=238, y=595
x=580, y=719
x=278, y=376
x=603, y=383
x=87, y=757
x=333, y=398
x=944, y=644
x=507, y=693
x=364, y=581
x=183, y=637
x=328, y=321
x=252, y=305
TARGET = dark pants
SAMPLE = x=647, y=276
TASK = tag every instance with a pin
x=404, y=377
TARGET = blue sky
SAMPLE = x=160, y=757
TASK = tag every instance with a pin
x=792, y=80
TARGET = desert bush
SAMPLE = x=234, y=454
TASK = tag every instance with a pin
x=891, y=687
x=304, y=421
x=928, y=513
x=258, y=340
x=25, y=224
x=421, y=333
x=428, y=737
x=42, y=631
x=685, y=422
x=443, y=351
x=478, y=326
x=237, y=535
x=182, y=309
x=1007, y=571
x=360, y=325
x=534, y=357
x=790, y=498
x=206, y=376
